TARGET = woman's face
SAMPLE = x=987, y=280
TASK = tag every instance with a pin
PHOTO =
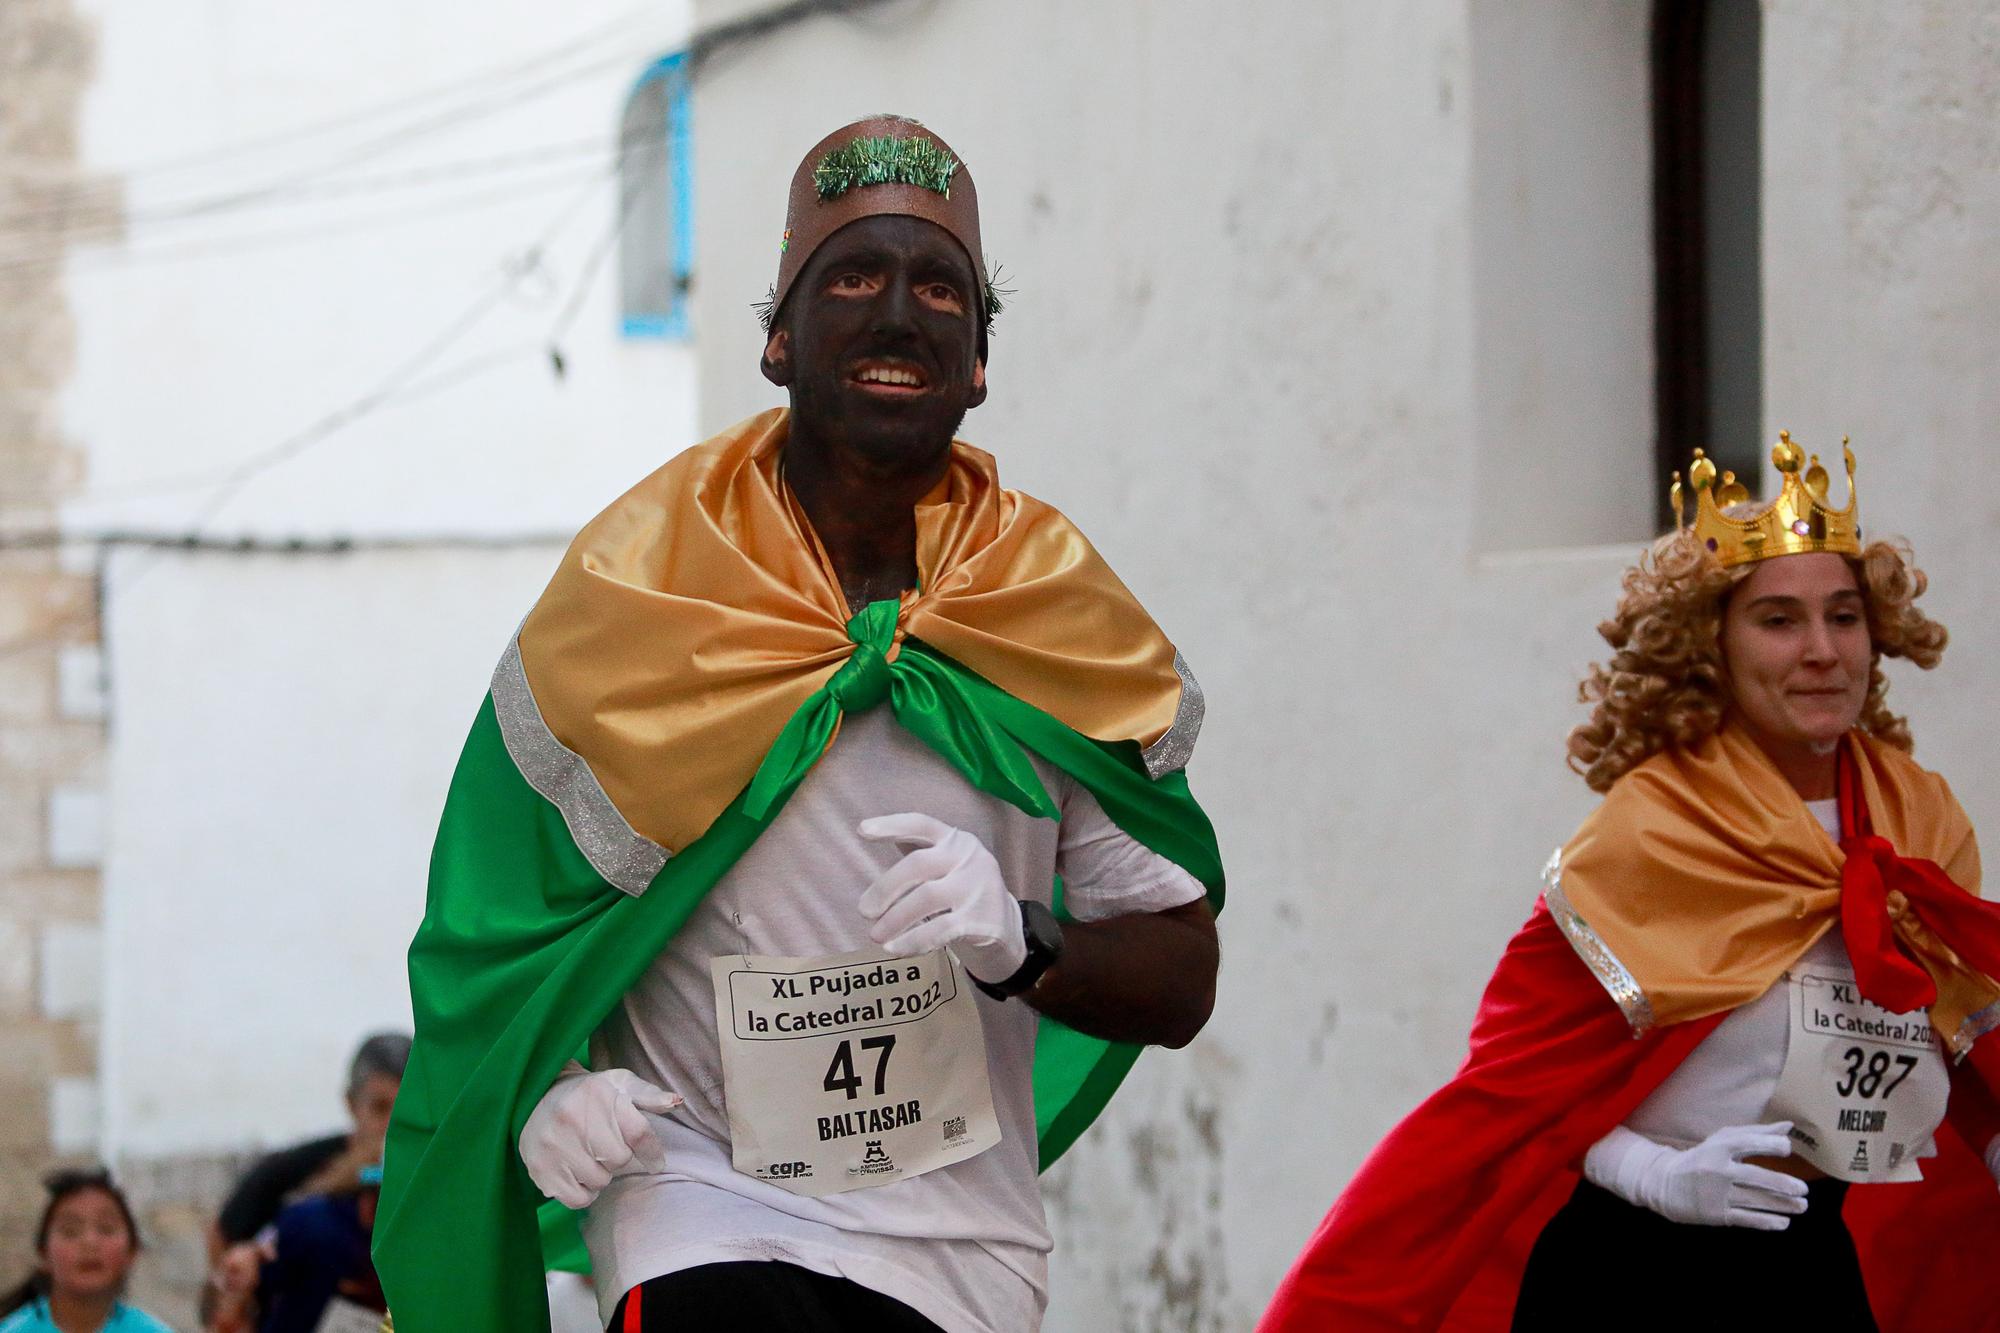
x=89, y=1248
x=1795, y=639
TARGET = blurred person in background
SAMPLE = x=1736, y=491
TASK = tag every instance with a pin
x=318, y=1166
x=318, y=1277
x=85, y=1245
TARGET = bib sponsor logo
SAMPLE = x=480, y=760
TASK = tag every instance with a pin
x=875, y=1161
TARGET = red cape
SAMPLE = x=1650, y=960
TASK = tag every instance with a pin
x=1434, y=1229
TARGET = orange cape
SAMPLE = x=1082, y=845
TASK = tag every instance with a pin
x=1703, y=876
x=690, y=620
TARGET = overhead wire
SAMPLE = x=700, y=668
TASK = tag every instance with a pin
x=311, y=191
x=146, y=256
x=403, y=384
x=101, y=220
x=484, y=81
x=396, y=386
x=402, y=387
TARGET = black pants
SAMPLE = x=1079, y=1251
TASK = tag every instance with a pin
x=1605, y=1263
x=780, y=1298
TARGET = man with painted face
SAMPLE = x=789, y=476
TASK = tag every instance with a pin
x=832, y=796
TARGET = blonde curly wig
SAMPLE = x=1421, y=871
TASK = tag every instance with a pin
x=1666, y=684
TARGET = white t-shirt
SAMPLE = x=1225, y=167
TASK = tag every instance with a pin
x=1729, y=1077
x=966, y=1246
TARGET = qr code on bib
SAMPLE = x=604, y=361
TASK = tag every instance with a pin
x=954, y=1128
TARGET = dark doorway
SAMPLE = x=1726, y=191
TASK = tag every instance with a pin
x=1707, y=186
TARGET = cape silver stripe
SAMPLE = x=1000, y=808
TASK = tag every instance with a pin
x=1173, y=750
x=1973, y=1028
x=559, y=773
x=1596, y=954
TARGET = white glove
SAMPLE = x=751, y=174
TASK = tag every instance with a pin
x=588, y=1128
x=1709, y=1184
x=948, y=891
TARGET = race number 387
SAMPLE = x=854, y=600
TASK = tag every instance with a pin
x=850, y=1071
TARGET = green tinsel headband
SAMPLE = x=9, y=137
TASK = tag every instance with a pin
x=885, y=161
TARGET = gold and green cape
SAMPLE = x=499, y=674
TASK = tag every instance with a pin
x=684, y=670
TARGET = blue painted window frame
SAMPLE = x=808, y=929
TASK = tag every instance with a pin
x=673, y=325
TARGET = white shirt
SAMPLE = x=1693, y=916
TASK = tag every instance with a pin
x=966, y=1246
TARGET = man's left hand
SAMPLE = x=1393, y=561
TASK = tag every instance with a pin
x=947, y=891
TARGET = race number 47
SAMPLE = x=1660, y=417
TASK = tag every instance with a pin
x=840, y=1075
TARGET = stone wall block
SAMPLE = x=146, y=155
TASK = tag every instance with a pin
x=27, y=1068
x=76, y=827
x=28, y=687
x=17, y=971
x=80, y=682
x=71, y=971
x=39, y=892
x=74, y=1113
x=22, y=825
x=43, y=603
x=54, y=752
x=39, y=340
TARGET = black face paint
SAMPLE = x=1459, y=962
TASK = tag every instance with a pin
x=881, y=347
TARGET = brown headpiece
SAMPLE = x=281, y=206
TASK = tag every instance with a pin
x=884, y=164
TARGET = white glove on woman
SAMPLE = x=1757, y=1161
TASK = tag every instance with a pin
x=1709, y=1184
x=588, y=1128
x=948, y=891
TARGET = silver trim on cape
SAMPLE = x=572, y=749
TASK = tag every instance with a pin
x=614, y=849
x=1596, y=954
x=1173, y=750
x=1973, y=1028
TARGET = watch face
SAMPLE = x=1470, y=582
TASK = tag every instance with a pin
x=1043, y=933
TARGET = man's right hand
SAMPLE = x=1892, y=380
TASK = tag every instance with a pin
x=589, y=1128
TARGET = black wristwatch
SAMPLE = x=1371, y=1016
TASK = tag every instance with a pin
x=1044, y=937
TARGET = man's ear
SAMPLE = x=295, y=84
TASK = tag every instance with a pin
x=776, y=362
x=978, y=382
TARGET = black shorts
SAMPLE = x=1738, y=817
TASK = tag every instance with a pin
x=1602, y=1262
x=781, y=1298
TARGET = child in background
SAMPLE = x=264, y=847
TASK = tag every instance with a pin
x=84, y=1248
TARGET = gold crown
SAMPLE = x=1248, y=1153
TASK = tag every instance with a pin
x=1799, y=520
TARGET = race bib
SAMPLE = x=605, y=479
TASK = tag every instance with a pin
x=1863, y=1087
x=851, y=1071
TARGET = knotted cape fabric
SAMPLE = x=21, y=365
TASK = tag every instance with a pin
x=686, y=667
x=1702, y=877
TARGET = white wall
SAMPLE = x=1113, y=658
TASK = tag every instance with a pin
x=1252, y=354
x=286, y=726
x=1562, y=267
x=208, y=341
x=1881, y=287
x=282, y=727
